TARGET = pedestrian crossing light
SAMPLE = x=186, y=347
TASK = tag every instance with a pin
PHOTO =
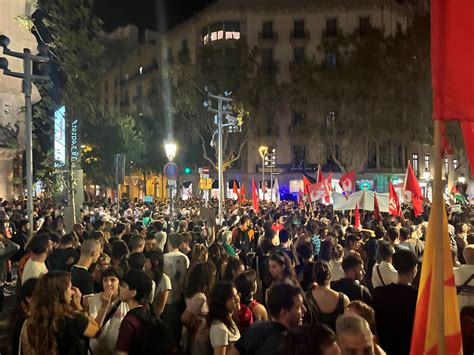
x=187, y=170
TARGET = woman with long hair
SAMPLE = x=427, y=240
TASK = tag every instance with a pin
x=219, y=258
x=154, y=266
x=234, y=268
x=281, y=269
x=56, y=324
x=324, y=304
x=201, y=281
x=225, y=301
x=246, y=284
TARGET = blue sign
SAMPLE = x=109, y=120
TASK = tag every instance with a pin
x=171, y=171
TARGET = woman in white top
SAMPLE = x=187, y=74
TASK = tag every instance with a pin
x=225, y=301
x=106, y=305
x=154, y=264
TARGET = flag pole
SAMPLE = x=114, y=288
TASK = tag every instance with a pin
x=437, y=224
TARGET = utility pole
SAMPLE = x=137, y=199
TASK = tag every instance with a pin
x=270, y=161
x=222, y=112
x=28, y=79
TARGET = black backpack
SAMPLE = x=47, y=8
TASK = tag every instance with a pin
x=158, y=340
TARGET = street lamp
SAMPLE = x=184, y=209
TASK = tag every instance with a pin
x=263, y=150
x=170, y=149
x=28, y=78
x=270, y=161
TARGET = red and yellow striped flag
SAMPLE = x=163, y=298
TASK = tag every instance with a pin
x=431, y=309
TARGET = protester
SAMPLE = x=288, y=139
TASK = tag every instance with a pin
x=384, y=273
x=154, y=266
x=246, y=284
x=314, y=339
x=464, y=279
x=323, y=304
x=354, y=336
x=56, y=324
x=225, y=301
x=281, y=268
x=80, y=275
x=35, y=266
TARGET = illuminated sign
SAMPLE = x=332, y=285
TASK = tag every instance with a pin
x=75, y=141
x=60, y=137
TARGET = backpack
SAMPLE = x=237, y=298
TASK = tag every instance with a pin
x=158, y=340
x=245, y=316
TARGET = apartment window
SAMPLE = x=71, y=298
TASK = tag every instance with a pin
x=398, y=156
x=298, y=155
x=331, y=60
x=415, y=164
x=384, y=155
x=427, y=162
x=267, y=57
x=364, y=25
x=455, y=163
x=372, y=156
x=446, y=165
x=220, y=30
x=232, y=30
x=299, y=54
x=331, y=27
x=205, y=36
x=298, y=29
x=267, y=29
x=298, y=119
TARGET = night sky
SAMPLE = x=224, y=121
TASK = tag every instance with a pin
x=144, y=13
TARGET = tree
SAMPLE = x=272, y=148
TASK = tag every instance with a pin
x=368, y=93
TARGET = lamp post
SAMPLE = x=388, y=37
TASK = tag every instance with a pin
x=28, y=78
x=170, y=149
x=263, y=151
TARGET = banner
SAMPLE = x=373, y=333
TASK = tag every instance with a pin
x=364, y=199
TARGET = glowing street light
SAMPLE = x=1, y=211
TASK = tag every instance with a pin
x=170, y=149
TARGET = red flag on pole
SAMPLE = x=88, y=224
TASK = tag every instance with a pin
x=468, y=134
x=317, y=191
x=328, y=183
x=347, y=182
x=235, y=190
x=377, y=214
x=254, y=196
x=411, y=184
x=306, y=183
x=394, y=207
x=357, y=224
x=242, y=193
x=320, y=176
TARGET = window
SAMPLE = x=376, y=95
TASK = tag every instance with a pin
x=205, y=35
x=219, y=31
x=330, y=119
x=267, y=57
x=297, y=119
x=299, y=54
x=399, y=28
x=415, y=164
x=455, y=163
x=232, y=30
x=372, y=155
x=298, y=29
x=446, y=165
x=331, y=27
x=267, y=29
x=116, y=82
x=364, y=25
x=397, y=155
x=384, y=155
x=298, y=156
x=427, y=162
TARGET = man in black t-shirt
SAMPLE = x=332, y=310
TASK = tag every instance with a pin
x=395, y=305
x=80, y=275
x=64, y=257
x=285, y=305
x=349, y=285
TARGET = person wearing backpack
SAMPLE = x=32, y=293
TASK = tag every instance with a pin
x=141, y=332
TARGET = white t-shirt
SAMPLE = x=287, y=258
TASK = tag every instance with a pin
x=175, y=266
x=388, y=272
x=221, y=335
x=461, y=275
x=33, y=269
x=336, y=270
x=165, y=284
x=105, y=343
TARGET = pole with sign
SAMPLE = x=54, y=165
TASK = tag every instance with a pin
x=171, y=172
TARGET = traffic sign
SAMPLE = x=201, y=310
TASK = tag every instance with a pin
x=205, y=184
x=205, y=172
x=171, y=171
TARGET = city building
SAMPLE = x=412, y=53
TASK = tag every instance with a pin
x=285, y=32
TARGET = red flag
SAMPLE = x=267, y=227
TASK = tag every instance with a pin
x=306, y=183
x=468, y=133
x=235, y=190
x=254, y=196
x=328, y=183
x=317, y=191
x=394, y=205
x=377, y=214
x=320, y=176
x=411, y=184
x=347, y=182
x=357, y=224
x=242, y=193
x=300, y=199
x=452, y=56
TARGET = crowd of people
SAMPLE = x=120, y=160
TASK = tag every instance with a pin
x=289, y=279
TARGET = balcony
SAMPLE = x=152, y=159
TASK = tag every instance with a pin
x=267, y=39
x=332, y=33
x=299, y=37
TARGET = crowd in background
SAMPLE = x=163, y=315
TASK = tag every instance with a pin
x=289, y=279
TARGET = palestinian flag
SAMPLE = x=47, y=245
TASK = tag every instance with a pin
x=457, y=195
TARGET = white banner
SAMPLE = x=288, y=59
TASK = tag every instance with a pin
x=364, y=199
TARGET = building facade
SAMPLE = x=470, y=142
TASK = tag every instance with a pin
x=285, y=32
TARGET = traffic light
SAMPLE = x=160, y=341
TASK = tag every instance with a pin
x=187, y=170
x=364, y=185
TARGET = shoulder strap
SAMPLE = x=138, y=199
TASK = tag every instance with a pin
x=380, y=275
x=111, y=313
x=465, y=284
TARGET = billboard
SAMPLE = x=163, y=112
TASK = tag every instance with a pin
x=60, y=137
